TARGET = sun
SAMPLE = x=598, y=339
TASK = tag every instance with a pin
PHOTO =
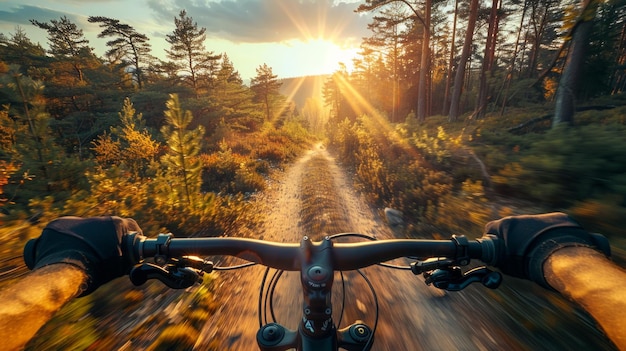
x=331, y=55
x=321, y=56
x=319, y=38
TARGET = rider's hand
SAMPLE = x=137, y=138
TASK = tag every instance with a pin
x=97, y=245
x=525, y=242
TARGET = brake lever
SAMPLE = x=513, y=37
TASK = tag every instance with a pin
x=453, y=278
x=431, y=264
x=171, y=275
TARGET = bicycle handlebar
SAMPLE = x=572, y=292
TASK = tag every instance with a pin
x=345, y=256
x=178, y=266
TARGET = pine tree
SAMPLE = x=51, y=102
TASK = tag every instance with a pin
x=69, y=76
x=184, y=169
x=455, y=100
x=19, y=49
x=266, y=89
x=46, y=166
x=129, y=146
x=395, y=17
x=128, y=46
x=188, y=53
x=572, y=71
x=333, y=95
x=386, y=39
x=67, y=42
x=233, y=100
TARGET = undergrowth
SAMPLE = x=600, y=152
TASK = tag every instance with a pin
x=454, y=177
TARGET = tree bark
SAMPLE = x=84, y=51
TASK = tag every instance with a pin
x=490, y=47
x=422, y=96
x=446, y=94
x=618, y=77
x=509, y=77
x=566, y=93
x=460, y=73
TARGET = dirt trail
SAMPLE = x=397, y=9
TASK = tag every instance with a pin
x=315, y=198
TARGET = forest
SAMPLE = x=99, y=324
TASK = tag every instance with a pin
x=523, y=100
x=94, y=135
x=456, y=113
x=72, y=122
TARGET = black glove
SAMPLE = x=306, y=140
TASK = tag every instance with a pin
x=525, y=242
x=97, y=245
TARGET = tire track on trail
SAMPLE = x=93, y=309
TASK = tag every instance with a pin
x=235, y=323
x=314, y=197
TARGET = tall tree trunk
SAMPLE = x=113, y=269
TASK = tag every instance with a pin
x=446, y=93
x=566, y=93
x=396, y=80
x=539, y=29
x=618, y=76
x=494, y=41
x=523, y=52
x=509, y=77
x=138, y=72
x=460, y=73
x=422, y=96
x=490, y=47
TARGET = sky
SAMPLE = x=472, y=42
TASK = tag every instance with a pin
x=293, y=37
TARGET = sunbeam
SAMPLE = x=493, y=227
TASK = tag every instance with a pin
x=359, y=104
x=322, y=42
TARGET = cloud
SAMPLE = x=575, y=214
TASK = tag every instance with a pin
x=21, y=14
x=258, y=21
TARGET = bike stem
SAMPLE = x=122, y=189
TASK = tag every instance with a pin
x=316, y=331
x=317, y=281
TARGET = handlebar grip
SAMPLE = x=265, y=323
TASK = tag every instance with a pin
x=491, y=249
x=132, y=245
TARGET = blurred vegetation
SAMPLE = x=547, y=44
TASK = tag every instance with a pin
x=454, y=177
x=93, y=322
x=168, y=182
x=170, y=173
x=198, y=190
x=116, y=135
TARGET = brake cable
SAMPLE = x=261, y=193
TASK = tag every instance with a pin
x=270, y=293
x=261, y=300
x=231, y=268
x=343, y=297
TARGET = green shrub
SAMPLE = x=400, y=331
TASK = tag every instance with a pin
x=435, y=148
x=570, y=164
x=372, y=175
x=273, y=151
x=219, y=170
x=247, y=180
x=295, y=132
x=344, y=141
x=463, y=212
